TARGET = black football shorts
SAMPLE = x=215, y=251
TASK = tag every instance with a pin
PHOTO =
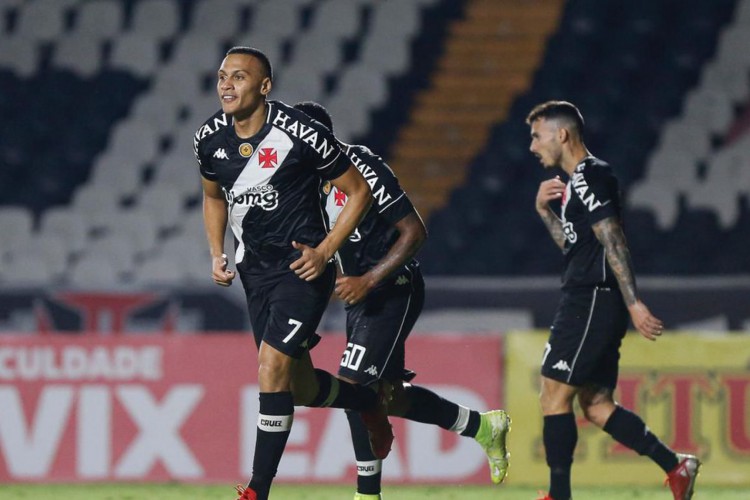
x=377, y=328
x=584, y=342
x=285, y=314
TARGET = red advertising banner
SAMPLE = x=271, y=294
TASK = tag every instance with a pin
x=184, y=408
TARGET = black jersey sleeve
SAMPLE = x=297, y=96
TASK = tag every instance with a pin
x=391, y=202
x=319, y=147
x=204, y=164
x=598, y=189
x=199, y=149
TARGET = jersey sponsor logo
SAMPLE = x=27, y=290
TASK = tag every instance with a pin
x=402, y=280
x=246, y=150
x=304, y=132
x=264, y=196
x=582, y=189
x=221, y=154
x=561, y=365
x=379, y=194
x=267, y=158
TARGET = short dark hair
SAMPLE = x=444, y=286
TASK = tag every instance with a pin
x=553, y=110
x=258, y=54
x=316, y=112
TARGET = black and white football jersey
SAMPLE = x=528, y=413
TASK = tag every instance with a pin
x=376, y=233
x=272, y=183
x=591, y=195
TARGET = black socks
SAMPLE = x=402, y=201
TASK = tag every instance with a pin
x=274, y=424
x=560, y=436
x=627, y=428
x=368, y=467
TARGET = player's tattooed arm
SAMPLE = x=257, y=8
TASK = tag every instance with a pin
x=549, y=190
x=609, y=232
x=554, y=226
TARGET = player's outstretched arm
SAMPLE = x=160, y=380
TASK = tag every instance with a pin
x=359, y=198
x=411, y=235
x=551, y=189
x=609, y=232
x=215, y=222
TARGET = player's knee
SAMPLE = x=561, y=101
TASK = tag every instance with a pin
x=273, y=376
x=597, y=413
x=554, y=403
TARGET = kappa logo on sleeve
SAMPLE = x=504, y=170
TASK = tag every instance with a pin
x=221, y=154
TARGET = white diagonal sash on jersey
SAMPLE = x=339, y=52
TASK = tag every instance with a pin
x=253, y=177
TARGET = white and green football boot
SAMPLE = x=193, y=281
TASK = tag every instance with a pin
x=362, y=496
x=493, y=430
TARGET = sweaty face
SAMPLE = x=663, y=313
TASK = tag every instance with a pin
x=545, y=143
x=242, y=85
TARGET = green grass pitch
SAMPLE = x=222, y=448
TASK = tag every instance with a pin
x=316, y=492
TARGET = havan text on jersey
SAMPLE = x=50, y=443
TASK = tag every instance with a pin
x=581, y=188
x=305, y=133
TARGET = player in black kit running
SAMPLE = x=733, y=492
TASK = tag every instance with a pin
x=598, y=294
x=262, y=163
x=383, y=289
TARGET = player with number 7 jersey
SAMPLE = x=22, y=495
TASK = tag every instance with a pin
x=262, y=163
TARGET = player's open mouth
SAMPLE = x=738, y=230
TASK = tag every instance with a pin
x=228, y=98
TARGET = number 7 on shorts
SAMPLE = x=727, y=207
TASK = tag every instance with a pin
x=297, y=325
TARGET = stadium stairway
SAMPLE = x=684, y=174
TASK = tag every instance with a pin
x=490, y=56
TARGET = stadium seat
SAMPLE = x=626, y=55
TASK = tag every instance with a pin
x=79, y=53
x=161, y=112
x=196, y=51
x=216, y=19
x=317, y=53
x=94, y=272
x=161, y=271
x=135, y=54
x=658, y=197
x=298, y=83
x=102, y=19
x=15, y=223
x=47, y=250
x=116, y=174
x=165, y=205
x=27, y=272
x=278, y=20
x=67, y=225
x=42, y=20
x=138, y=225
x=155, y=20
x=19, y=55
x=337, y=19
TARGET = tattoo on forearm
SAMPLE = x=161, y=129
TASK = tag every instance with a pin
x=609, y=233
x=554, y=226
